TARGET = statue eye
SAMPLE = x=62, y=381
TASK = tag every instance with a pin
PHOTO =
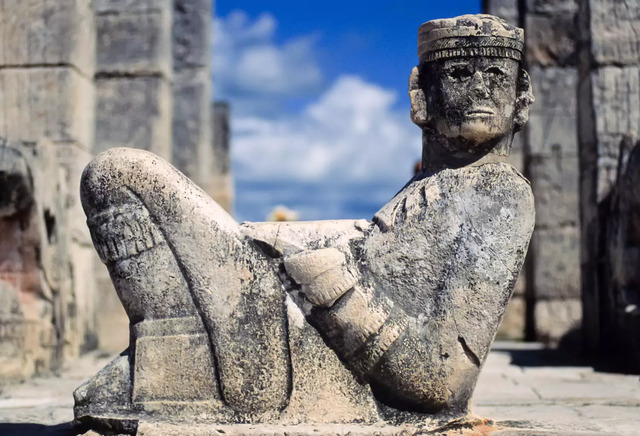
x=495, y=71
x=460, y=73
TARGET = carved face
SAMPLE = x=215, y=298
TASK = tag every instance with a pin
x=472, y=99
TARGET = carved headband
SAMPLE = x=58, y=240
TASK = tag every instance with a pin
x=469, y=35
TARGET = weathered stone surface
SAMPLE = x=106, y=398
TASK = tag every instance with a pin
x=34, y=287
x=55, y=103
x=133, y=112
x=134, y=44
x=556, y=267
x=132, y=6
x=555, y=318
x=613, y=30
x=191, y=151
x=221, y=185
x=513, y=322
x=555, y=180
x=506, y=9
x=191, y=33
x=551, y=6
x=226, y=320
x=551, y=40
x=47, y=32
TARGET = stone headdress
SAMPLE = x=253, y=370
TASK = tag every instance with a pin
x=469, y=35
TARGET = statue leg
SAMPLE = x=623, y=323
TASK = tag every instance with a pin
x=173, y=252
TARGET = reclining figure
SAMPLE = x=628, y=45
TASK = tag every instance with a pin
x=349, y=321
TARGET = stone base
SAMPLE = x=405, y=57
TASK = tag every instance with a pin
x=471, y=425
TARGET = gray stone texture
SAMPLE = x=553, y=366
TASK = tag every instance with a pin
x=221, y=179
x=609, y=118
x=47, y=33
x=192, y=128
x=192, y=123
x=133, y=112
x=47, y=64
x=53, y=102
x=38, y=302
x=134, y=44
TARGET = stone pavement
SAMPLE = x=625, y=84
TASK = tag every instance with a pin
x=527, y=390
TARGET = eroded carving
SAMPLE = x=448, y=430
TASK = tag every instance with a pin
x=325, y=322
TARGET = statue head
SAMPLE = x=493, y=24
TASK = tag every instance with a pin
x=470, y=93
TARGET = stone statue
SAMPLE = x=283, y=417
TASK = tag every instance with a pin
x=353, y=322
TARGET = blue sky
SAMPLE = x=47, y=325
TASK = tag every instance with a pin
x=318, y=94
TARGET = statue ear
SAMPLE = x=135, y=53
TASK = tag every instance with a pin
x=418, y=99
x=524, y=100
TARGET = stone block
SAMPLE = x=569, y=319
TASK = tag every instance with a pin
x=616, y=100
x=513, y=323
x=516, y=156
x=47, y=32
x=133, y=112
x=551, y=40
x=556, y=263
x=554, y=135
x=134, y=43
x=556, y=318
x=615, y=26
x=191, y=33
x=56, y=103
x=507, y=9
x=112, y=323
x=555, y=183
x=131, y=6
x=551, y=6
x=191, y=124
x=555, y=89
x=176, y=368
x=72, y=158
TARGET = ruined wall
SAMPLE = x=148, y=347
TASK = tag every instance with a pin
x=609, y=101
x=46, y=90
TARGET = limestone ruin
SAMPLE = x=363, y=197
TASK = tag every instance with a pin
x=78, y=77
x=330, y=322
x=583, y=58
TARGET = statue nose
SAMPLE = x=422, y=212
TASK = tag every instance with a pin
x=478, y=86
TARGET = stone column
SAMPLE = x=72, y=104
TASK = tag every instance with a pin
x=609, y=102
x=514, y=322
x=133, y=75
x=552, y=167
x=221, y=188
x=191, y=89
x=134, y=108
x=46, y=91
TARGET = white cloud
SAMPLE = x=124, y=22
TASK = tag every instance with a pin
x=348, y=136
x=351, y=133
x=250, y=67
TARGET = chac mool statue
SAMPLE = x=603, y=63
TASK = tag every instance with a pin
x=382, y=323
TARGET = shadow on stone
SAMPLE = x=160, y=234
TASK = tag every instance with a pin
x=66, y=429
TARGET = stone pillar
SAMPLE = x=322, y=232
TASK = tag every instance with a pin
x=514, y=322
x=46, y=91
x=546, y=152
x=133, y=75
x=552, y=167
x=133, y=109
x=609, y=102
x=192, y=90
x=221, y=189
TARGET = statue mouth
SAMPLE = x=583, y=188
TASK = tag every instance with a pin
x=480, y=111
